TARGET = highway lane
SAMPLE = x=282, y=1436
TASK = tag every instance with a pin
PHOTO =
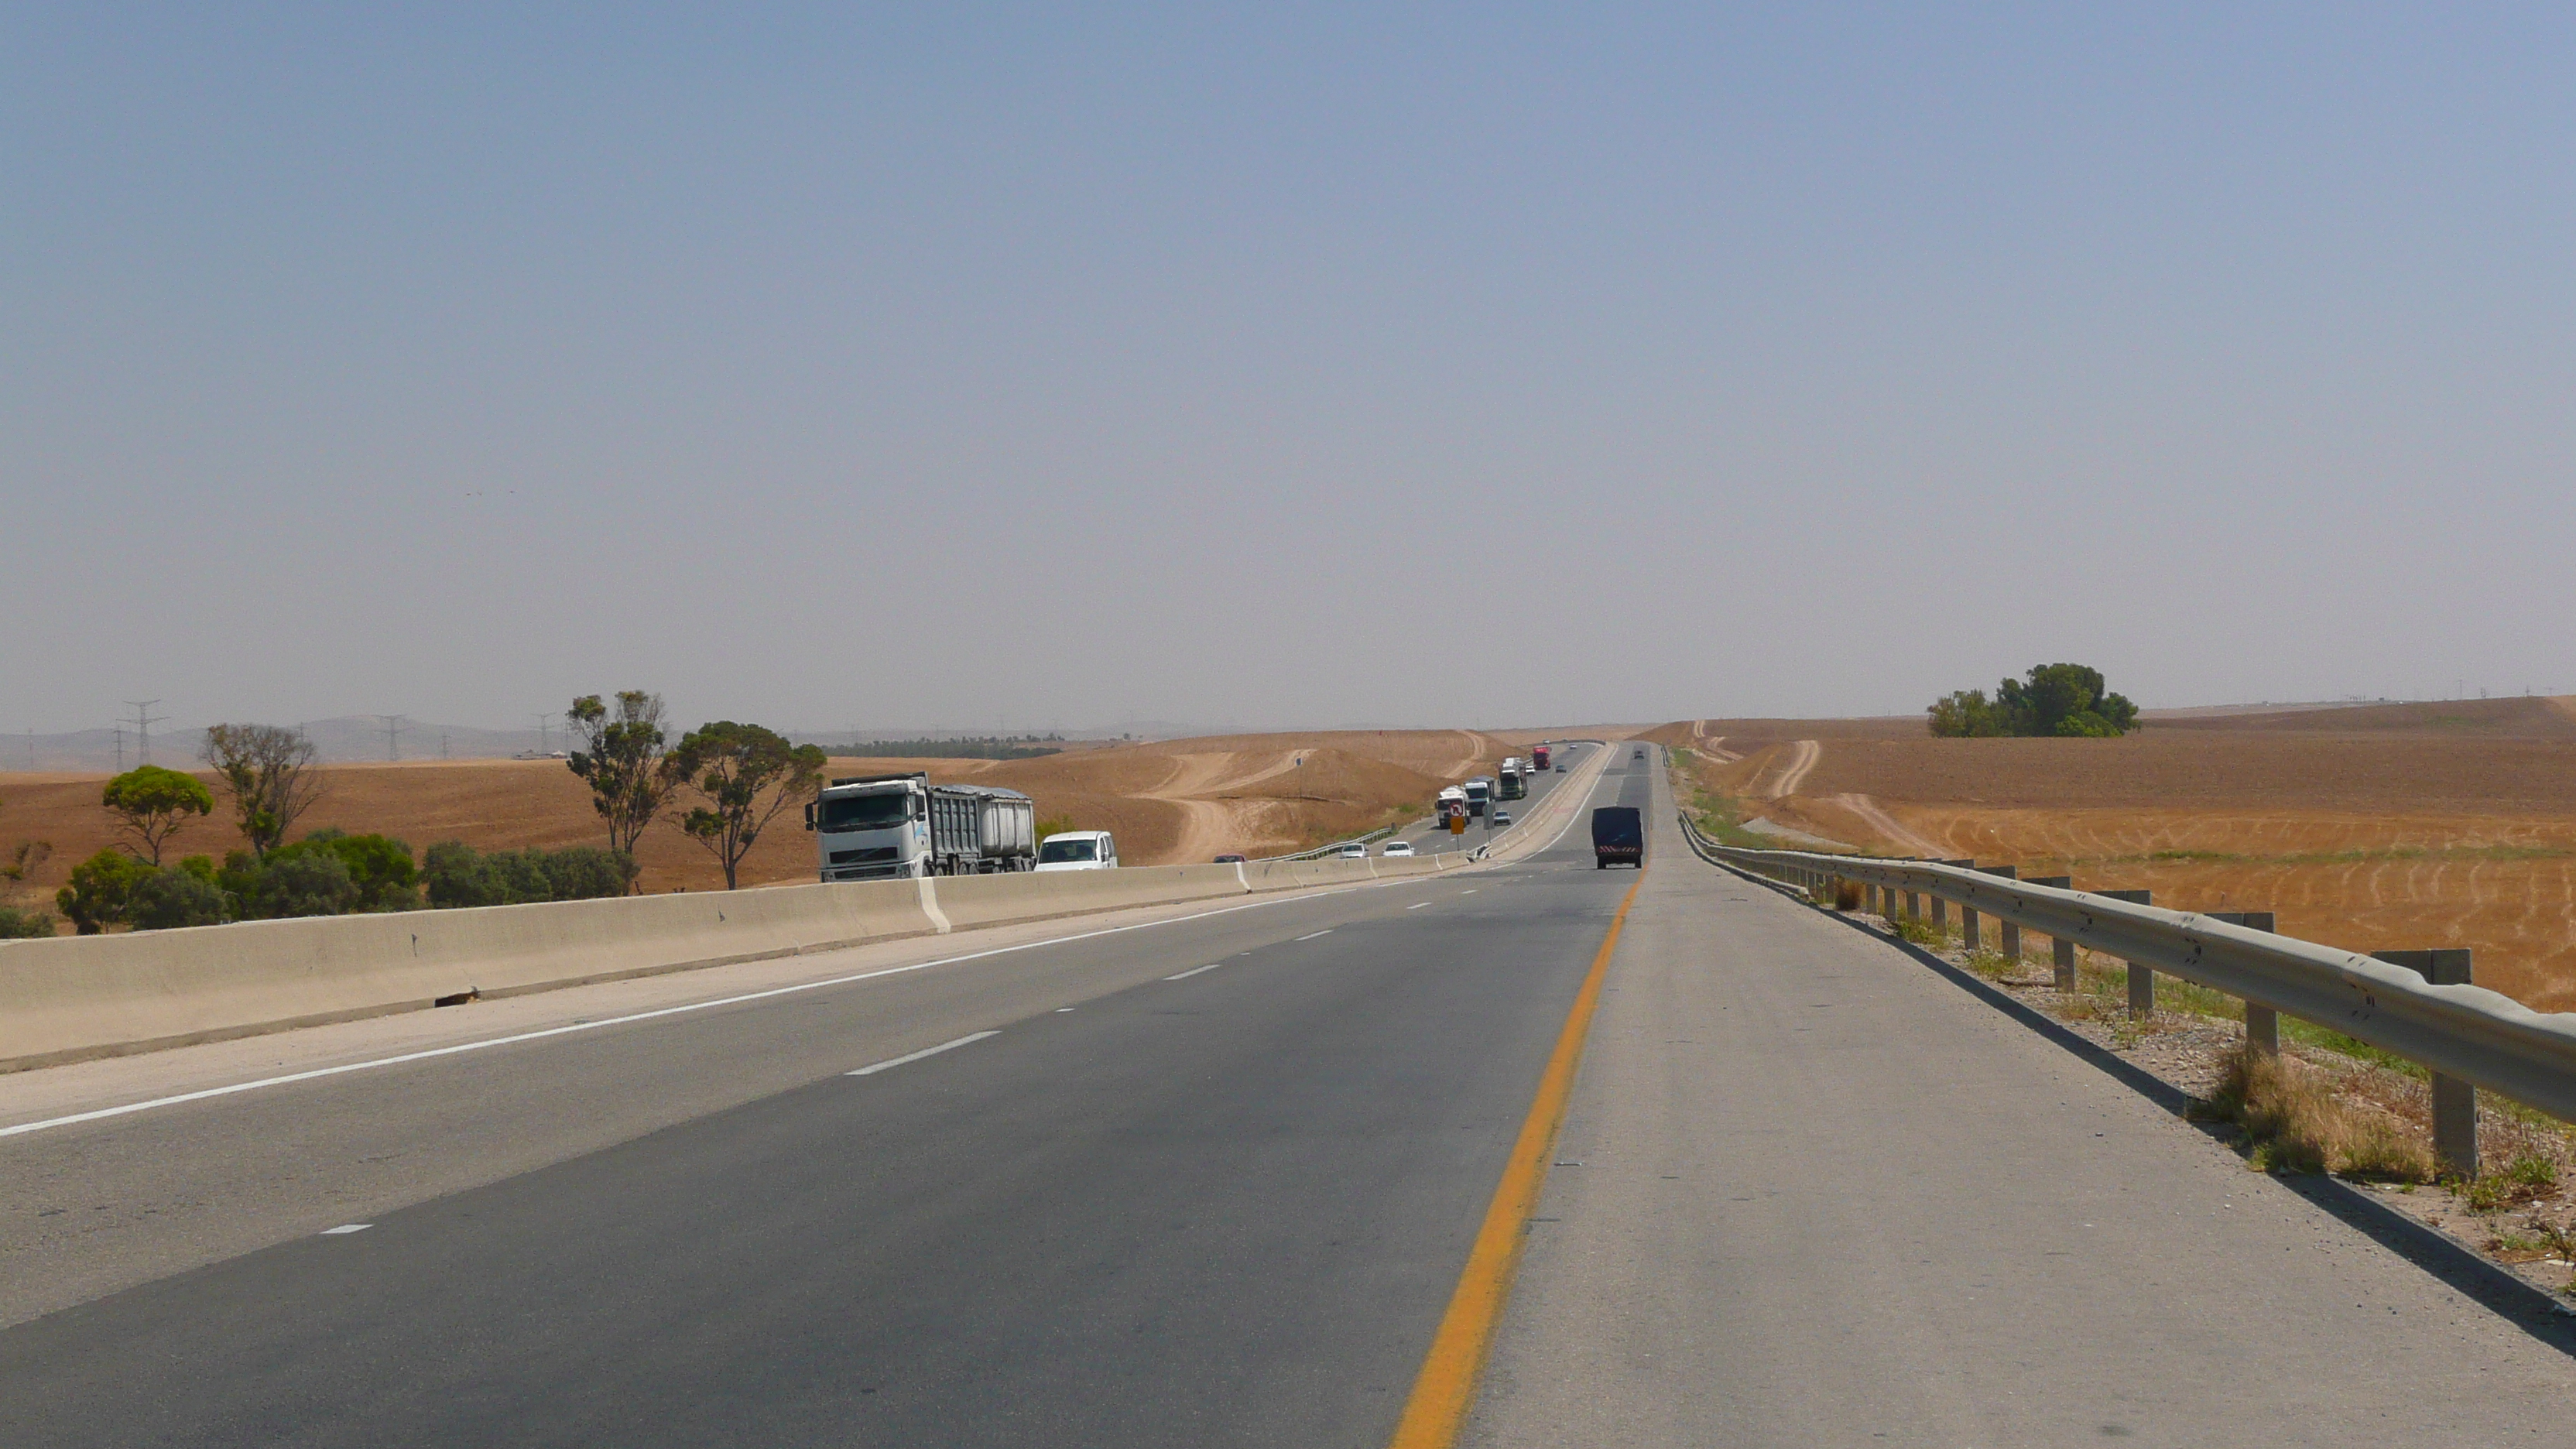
x=1827, y=1194
x=1224, y=1208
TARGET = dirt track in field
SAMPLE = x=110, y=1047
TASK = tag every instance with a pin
x=2392, y=826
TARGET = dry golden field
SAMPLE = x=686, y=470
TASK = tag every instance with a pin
x=1168, y=801
x=2367, y=828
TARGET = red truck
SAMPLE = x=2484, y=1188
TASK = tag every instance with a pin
x=1538, y=756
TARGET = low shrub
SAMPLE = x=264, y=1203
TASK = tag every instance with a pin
x=456, y=874
x=18, y=925
x=327, y=873
x=181, y=895
x=101, y=891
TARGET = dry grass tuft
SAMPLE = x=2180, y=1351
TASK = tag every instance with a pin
x=2295, y=1121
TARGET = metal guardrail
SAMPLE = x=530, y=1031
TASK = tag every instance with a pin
x=2467, y=1032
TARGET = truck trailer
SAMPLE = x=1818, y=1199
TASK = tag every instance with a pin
x=878, y=827
x=1513, y=781
x=1618, y=837
x=1538, y=757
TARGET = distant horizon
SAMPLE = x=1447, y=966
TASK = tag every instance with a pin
x=83, y=751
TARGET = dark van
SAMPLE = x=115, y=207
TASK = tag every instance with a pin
x=1618, y=836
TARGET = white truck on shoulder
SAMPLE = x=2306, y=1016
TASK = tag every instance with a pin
x=879, y=827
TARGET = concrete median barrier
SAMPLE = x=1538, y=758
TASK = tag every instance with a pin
x=76, y=997
x=84, y=996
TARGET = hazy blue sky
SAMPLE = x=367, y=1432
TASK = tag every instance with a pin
x=1278, y=365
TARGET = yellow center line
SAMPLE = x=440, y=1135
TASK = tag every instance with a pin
x=1446, y=1387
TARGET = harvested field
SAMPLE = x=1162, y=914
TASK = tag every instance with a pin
x=1168, y=801
x=2377, y=827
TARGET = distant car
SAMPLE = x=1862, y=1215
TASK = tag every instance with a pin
x=1398, y=847
x=1078, y=850
x=1353, y=851
x=1502, y=817
x=1229, y=860
x=1560, y=769
x=1641, y=754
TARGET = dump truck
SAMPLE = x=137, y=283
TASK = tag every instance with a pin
x=876, y=827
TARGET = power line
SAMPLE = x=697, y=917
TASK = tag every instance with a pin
x=393, y=734
x=144, y=720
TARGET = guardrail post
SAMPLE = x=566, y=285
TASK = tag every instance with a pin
x=2007, y=933
x=2142, y=980
x=2262, y=1023
x=2061, y=953
x=1913, y=906
x=2455, y=1102
x=1941, y=907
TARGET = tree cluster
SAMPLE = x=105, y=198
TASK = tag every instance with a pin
x=722, y=786
x=740, y=775
x=2054, y=699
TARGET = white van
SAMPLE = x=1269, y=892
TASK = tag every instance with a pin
x=1078, y=850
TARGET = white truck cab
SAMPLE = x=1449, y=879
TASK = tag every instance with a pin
x=1078, y=850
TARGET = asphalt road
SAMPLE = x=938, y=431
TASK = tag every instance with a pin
x=1426, y=835
x=1222, y=1209
x=1809, y=1190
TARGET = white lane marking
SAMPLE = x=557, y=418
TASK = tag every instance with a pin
x=1470, y=892
x=1061, y=1010
x=1193, y=971
x=1417, y=905
x=346, y=1228
x=202, y=1094
x=873, y=1068
x=1324, y=932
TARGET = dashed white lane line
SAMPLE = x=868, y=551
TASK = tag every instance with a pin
x=1324, y=932
x=685, y=1008
x=876, y=1067
x=346, y=1228
x=1193, y=971
x=1470, y=893
x=1417, y=905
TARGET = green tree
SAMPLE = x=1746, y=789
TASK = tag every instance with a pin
x=745, y=774
x=101, y=891
x=624, y=762
x=1963, y=714
x=268, y=770
x=151, y=803
x=2069, y=700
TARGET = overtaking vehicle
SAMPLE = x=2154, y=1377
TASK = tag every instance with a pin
x=1398, y=847
x=1353, y=851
